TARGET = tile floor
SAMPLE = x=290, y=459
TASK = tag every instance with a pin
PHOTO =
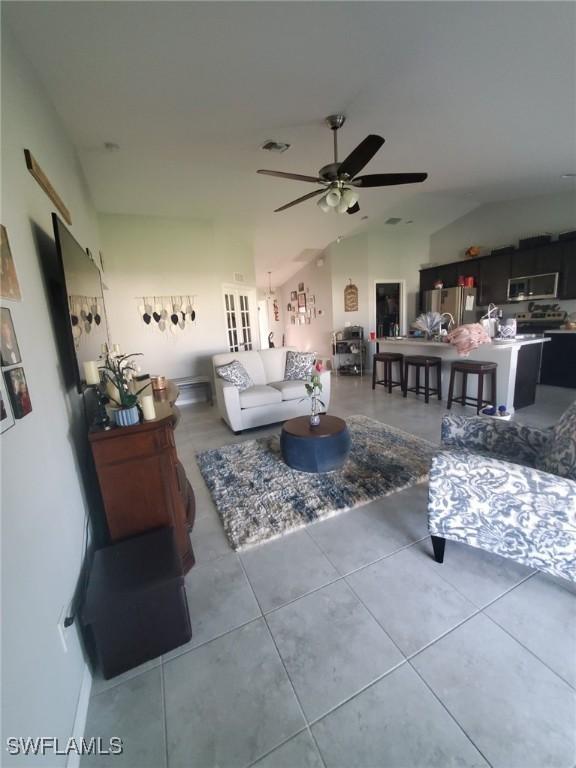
x=345, y=645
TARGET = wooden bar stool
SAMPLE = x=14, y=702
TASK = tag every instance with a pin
x=480, y=369
x=427, y=362
x=388, y=358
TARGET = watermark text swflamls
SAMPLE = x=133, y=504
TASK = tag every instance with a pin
x=51, y=745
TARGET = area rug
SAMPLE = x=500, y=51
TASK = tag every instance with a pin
x=258, y=497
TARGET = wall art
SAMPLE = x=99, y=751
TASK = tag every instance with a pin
x=9, y=350
x=294, y=296
x=301, y=300
x=300, y=287
x=9, y=285
x=18, y=392
x=6, y=416
x=44, y=182
x=351, y=298
x=167, y=313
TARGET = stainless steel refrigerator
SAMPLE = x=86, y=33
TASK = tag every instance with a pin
x=459, y=302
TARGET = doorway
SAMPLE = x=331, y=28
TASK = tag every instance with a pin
x=388, y=309
x=242, y=334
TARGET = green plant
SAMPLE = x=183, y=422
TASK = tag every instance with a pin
x=314, y=388
x=118, y=370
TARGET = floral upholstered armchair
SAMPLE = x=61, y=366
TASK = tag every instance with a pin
x=509, y=489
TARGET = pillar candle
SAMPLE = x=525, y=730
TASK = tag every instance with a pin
x=91, y=372
x=148, y=409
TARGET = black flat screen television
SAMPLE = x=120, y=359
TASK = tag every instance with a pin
x=78, y=305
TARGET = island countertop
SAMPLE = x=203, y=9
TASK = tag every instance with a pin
x=494, y=344
x=518, y=363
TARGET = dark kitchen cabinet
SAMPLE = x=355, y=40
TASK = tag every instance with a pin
x=493, y=282
x=567, y=289
x=537, y=261
x=558, y=355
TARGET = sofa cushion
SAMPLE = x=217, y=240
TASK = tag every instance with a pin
x=235, y=373
x=559, y=453
x=290, y=390
x=251, y=361
x=299, y=365
x=259, y=395
x=273, y=362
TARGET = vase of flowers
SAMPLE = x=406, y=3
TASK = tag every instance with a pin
x=314, y=390
x=118, y=371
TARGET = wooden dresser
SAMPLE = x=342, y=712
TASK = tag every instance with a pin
x=143, y=484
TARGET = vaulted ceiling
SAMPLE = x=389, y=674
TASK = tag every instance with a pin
x=481, y=95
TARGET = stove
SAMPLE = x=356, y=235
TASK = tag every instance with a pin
x=540, y=318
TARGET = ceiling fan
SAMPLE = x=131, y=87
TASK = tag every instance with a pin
x=339, y=179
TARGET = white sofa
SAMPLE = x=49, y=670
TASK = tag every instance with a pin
x=271, y=399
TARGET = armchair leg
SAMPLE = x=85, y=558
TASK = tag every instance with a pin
x=438, y=544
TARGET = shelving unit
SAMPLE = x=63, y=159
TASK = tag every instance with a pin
x=348, y=356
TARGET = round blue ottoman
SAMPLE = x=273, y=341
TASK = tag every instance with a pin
x=315, y=449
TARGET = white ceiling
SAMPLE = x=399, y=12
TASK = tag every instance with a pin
x=481, y=95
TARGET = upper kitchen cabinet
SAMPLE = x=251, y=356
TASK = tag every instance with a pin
x=567, y=288
x=537, y=261
x=493, y=282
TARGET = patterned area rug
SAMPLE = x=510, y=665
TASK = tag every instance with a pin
x=259, y=497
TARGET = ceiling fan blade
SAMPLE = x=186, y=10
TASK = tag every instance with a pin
x=388, y=179
x=353, y=208
x=300, y=199
x=294, y=176
x=360, y=156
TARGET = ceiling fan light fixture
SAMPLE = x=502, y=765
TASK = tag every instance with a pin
x=349, y=196
x=323, y=205
x=342, y=206
x=333, y=197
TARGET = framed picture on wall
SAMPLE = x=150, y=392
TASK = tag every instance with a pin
x=311, y=299
x=294, y=296
x=9, y=351
x=6, y=415
x=301, y=287
x=289, y=308
x=9, y=285
x=301, y=300
x=18, y=392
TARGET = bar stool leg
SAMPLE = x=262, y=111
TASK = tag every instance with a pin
x=464, y=388
x=439, y=380
x=406, y=375
x=374, y=364
x=426, y=383
x=451, y=388
x=480, y=392
x=417, y=380
x=389, y=373
x=401, y=367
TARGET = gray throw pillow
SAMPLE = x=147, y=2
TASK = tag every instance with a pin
x=559, y=455
x=236, y=374
x=299, y=366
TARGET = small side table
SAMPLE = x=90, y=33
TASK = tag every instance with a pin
x=315, y=449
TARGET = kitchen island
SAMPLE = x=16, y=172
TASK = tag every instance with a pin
x=518, y=364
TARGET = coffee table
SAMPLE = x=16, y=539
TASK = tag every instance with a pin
x=315, y=449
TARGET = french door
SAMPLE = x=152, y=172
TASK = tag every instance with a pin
x=238, y=306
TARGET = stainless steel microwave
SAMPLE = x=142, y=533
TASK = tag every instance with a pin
x=533, y=287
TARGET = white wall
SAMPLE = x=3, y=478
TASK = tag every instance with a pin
x=379, y=255
x=43, y=508
x=153, y=256
x=503, y=223
x=317, y=336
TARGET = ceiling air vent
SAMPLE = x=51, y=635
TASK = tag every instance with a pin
x=275, y=146
x=239, y=277
x=392, y=220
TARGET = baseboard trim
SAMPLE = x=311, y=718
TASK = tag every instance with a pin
x=73, y=760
